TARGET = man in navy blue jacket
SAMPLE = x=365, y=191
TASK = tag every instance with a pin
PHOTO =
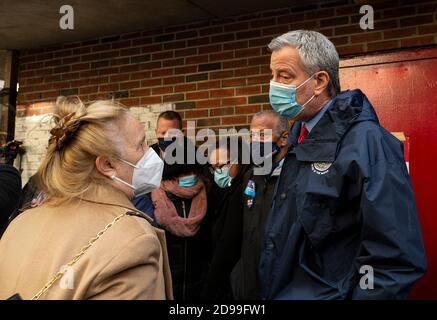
x=343, y=223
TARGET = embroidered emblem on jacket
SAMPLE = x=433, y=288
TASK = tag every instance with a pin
x=321, y=167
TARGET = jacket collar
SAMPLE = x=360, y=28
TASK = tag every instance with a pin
x=321, y=144
x=106, y=194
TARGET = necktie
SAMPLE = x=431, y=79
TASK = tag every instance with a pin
x=303, y=133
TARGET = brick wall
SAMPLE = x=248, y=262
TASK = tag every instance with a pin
x=214, y=72
x=34, y=132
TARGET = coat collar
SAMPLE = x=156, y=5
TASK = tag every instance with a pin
x=322, y=142
x=106, y=194
x=320, y=145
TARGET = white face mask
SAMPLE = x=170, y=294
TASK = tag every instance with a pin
x=147, y=173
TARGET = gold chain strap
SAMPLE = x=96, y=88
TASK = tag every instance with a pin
x=76, y=258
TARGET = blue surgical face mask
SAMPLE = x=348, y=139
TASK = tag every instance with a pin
x=222, y=179
x=188, y=181
x=283, y=98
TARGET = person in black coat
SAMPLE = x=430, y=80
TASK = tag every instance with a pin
x=10, y=193
x=259, y=188
x=188, y=246
x=227, y=221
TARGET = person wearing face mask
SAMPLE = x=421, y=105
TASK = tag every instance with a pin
x=180, y=208
x=343, y=223
x=167, y=121
x=269, y=140
x=86, y=240
x=227, y=219
x=169, y=131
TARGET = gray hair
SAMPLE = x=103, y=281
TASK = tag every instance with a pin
x=316, y=51
x=281, y=122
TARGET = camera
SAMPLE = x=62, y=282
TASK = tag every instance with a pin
x=10, y=151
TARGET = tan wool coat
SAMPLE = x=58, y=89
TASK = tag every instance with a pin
x=129, y=261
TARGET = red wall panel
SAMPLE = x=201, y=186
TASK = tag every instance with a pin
x=402, y=87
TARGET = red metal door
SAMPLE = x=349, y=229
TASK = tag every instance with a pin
x=402, y=87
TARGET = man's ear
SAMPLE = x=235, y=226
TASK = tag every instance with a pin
x=283, y=141
x=104, y=167
x=322, y=81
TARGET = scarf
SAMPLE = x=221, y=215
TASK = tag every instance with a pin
x=165, y=211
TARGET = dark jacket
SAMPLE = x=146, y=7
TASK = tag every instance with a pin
x=10, y=193
x=344, y=201
x=188, y=256
x=29, y=197
x=30, y=192
x=245, y=277
x=227, y=227
x=145, y=204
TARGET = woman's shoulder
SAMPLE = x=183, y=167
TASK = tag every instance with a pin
x=130, y=241
x=137, y=224
x=84, y=220
x=25, y=217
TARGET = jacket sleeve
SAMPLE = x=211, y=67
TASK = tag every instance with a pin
x=391, y=241
x=135, y=273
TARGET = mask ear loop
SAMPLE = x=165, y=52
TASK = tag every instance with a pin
x=312, y=98
x=305, y=81
x=128, y=163
x=113, y=177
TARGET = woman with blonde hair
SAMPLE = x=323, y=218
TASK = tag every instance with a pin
x=87, y=241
